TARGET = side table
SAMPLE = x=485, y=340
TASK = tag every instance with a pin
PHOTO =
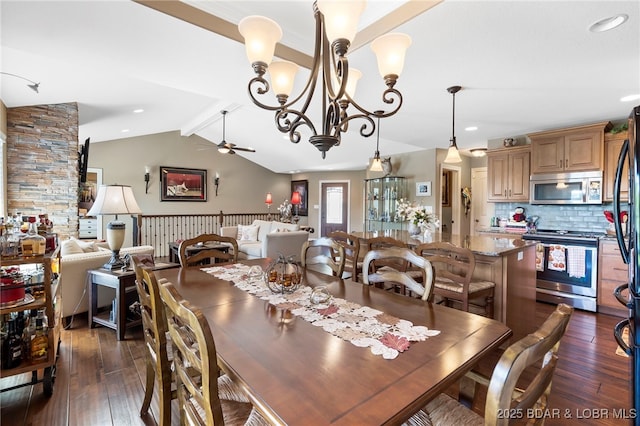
x=123, y=282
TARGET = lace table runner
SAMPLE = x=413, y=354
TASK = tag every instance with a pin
x=385, y=334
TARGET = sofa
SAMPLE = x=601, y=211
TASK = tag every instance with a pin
x=266, y=239
x=76, y=258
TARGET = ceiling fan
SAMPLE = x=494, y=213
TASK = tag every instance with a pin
x=225, y=147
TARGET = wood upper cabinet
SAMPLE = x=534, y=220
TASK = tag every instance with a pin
x=508, y=174
x=568, y=150
x=612, y=146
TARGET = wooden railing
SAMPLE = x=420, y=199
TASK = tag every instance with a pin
x=159, y=230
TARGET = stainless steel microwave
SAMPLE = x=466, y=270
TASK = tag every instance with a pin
x=566, y=188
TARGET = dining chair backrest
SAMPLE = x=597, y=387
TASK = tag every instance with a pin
x=387, y=275
x=195, y=360
x=451, y=262
x=540, y=346
x=221, y=256
x=351, y=245
x=158, y=354
x=377, y=243
x=323, y=255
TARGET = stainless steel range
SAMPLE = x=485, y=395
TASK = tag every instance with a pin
x=567, y=267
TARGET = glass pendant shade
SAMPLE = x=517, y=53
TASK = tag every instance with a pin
x=283, y=75
x=453, y=155
x=352, y=82
x=260, y=37
x=390, y=50
x=376, y=164
x=341, y=18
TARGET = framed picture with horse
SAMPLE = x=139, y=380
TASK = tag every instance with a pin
x=181, y=184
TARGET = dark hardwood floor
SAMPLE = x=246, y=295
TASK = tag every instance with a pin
x=100, y=381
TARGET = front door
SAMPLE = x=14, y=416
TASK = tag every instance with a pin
x=334, y=208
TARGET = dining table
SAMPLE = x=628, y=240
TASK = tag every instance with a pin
x=296, y=373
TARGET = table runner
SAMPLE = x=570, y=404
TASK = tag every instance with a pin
x=363, y=326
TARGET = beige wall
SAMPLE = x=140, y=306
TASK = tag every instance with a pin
x=243, y=184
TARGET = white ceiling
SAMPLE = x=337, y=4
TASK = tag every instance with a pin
x=524, y=66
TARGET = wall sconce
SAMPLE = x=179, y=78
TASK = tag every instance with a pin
x=147, y=172
x=216, y=182
x=296, y=200
x=268, y=201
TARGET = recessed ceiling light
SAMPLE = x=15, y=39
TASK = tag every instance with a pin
x=138, y=111
x=609, y=23
x=630, y=98
x=471, y=128
x=125, y=130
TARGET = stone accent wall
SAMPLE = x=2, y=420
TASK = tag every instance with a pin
x=42, y=164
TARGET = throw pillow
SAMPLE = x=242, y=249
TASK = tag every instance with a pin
x=249, y=233
x=282, y=230
x=70, y=246
x=87, y=246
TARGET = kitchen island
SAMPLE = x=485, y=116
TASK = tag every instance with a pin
x=508, y=262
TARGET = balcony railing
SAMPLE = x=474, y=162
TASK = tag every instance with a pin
x=160, y=230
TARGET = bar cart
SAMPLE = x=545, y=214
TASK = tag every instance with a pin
x=39, y=292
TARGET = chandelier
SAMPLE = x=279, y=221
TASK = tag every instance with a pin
x=336, y=25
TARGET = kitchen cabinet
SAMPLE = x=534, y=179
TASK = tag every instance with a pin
x=45, y=295
x=612, y=272
x=612, y=145
x=381, y=196
x=568, y=150
x=508, y=174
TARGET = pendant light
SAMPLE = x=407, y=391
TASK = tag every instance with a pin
x=453, y=156
x=376, y=164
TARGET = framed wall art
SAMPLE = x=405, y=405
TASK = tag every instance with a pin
x=181, y=184
x=302, y=186
x=423, y=189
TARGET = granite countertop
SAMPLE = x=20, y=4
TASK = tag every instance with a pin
x=482, y=245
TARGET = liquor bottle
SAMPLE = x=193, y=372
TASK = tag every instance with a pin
x=29, y=333
x=33, y=244
x=39, y=343
x=12, y=347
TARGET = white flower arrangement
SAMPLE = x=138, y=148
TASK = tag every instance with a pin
x=417, y=215
x=285, y=211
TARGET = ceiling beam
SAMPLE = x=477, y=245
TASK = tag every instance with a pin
x=209, y=22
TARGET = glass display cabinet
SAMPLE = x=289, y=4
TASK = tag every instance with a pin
x=380, y=197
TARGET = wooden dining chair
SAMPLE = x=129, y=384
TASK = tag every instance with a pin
x=219, y=256
x=200, y=386
x=391, y=276
x=323, y=255
x=539, y=351
x=351, y=245
x=377, y=243
x=158, y=354
x=454, y=276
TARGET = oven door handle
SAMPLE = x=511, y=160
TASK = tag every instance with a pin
x=624, y=249
x=617, y=333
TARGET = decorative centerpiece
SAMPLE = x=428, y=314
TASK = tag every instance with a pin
x=420, y=221
x=285, y=210
x=283, y=275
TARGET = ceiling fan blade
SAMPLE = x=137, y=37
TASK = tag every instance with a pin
x=237, y=148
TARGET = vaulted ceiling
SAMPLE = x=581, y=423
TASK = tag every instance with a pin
x=524, y=66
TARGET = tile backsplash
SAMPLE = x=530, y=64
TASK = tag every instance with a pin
x=588, y=218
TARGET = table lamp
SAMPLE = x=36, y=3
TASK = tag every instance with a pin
x=268, y=201
x=115, y=200
x=296, y=200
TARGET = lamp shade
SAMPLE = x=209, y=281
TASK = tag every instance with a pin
x=114, y=199
x=376, y=165
x=260, y=37
x=269, y=199
x=453, y=156
x=390, y=50
x=283, y=75
x=341, y=18
x=295, y=198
